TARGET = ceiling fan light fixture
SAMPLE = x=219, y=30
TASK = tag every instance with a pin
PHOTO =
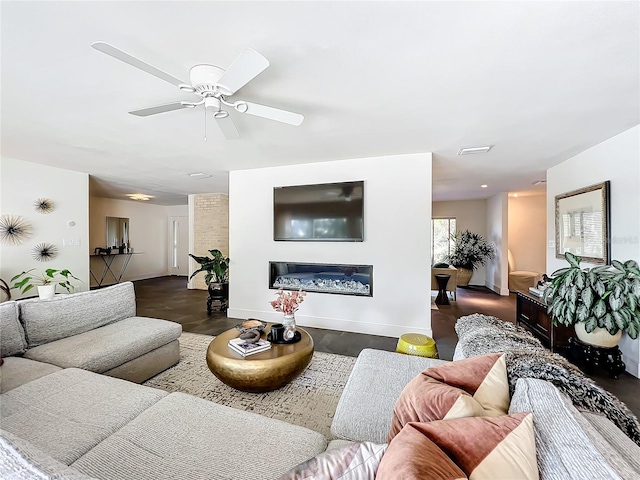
x=473, y=150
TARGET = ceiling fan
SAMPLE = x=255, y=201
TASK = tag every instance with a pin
x=214, y=85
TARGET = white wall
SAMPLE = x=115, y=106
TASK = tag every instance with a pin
x=616, y=160
x=23, y=182
x=148, y=236
x=397, y=244
x=498, y=234
x=470, y=215
x=528, y=232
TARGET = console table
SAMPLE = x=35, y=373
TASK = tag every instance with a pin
x=107, y=260
x=531, y=313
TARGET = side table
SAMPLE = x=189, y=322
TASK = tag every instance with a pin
x=442, y=298
x=594, y=357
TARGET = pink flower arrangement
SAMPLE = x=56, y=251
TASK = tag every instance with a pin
x=288, y=302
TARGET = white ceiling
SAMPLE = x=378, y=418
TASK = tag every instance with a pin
x=542, y=81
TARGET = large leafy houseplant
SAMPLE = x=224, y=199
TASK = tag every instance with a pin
x=216, y=267
x=606, y=296
x=470, y=250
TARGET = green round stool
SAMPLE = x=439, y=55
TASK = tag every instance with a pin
x=417, y=344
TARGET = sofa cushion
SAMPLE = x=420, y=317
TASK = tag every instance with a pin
x=107, y=347
x=19, y=460
x=366, y=406
x=563, y=449
x=46, y=321
x=467, y=388
x=68, y=412
x=16, y=371
x=12, y=340
x=187, y=437
x=412, y=455
x=354, y=461
x=481, y=447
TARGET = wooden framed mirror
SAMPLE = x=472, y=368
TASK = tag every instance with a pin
x=582, y=224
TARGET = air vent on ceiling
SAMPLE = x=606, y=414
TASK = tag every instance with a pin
x=199, y=175
x=472, y=150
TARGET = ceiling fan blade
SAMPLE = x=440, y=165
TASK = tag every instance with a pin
x=167, y=107
x=248, y=65
x=227, y=127
x=276, y=114
x=136, y=62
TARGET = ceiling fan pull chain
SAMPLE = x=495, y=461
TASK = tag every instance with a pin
x=205, y=124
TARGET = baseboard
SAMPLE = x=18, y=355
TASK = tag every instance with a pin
x=385, y=330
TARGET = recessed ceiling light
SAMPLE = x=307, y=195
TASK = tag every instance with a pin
x=484, y=186
x=199, y=175
x=515, y=195
x=139, y=196
x=539, y=182
x=472, y=150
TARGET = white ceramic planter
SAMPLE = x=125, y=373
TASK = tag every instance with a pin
x=600, y=337
x=46, y=291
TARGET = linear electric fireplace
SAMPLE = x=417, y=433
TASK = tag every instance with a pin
x=322, y=277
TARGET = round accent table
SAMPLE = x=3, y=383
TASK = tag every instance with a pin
x=261, y=372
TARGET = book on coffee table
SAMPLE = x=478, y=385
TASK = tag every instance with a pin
x=245, y=348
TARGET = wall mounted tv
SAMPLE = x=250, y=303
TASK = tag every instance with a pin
x=328, y=212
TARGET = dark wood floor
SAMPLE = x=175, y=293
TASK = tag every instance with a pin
x=169, y=299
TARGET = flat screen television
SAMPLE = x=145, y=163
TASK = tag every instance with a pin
x=328, y=212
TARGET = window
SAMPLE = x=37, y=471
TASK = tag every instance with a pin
x=442, y=242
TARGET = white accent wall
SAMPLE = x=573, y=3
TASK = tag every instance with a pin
x=616, y=160
x=397, y=244
x=23, y=182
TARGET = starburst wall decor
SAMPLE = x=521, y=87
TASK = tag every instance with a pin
x=43, y=205
x=14, y=229
x=43, y=252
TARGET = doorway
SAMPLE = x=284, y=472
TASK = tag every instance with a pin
x=178, y=245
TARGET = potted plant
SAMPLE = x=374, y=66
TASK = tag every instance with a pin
x=601, y=302
x=46, y=281
x=216, y=278
x=469, y=252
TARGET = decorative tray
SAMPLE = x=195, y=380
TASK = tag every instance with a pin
x=296, y=338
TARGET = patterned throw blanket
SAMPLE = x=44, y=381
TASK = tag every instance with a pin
x=526, y=357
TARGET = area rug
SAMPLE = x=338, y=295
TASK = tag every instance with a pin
x=309, y=401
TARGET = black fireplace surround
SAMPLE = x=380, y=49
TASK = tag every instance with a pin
x=322, y=278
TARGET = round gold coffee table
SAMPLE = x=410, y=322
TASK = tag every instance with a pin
x=261, y=372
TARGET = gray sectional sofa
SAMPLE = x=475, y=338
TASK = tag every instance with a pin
x=63, y=415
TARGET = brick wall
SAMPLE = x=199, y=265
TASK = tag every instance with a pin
x=210, y=228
